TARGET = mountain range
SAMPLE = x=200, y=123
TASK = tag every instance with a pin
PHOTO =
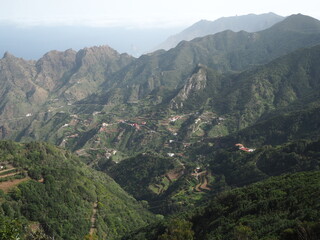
x=248, y=23
x=194, y=134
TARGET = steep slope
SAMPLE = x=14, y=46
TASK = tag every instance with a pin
x=284, y=207
x=19, y=94
x=52, y=68
x=248, y=23
x=273, y=104
x=174, y=185
x=66, y=75
x=190, y=105
x=288, y=80
x=249, y=210
x=266, y=102
x=143, y=174
x=93, y=66
x=165, y=72
x=288, y=85
x=59, y=193
x=240, y=168
x=280, y=128
x=55, y=80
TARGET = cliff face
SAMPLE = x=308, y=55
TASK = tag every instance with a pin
x=18, y=92
x=52, y=67
x=61, y=77
x=93, y=66
x=194, y=84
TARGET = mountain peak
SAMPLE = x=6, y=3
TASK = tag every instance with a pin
x=248, y=23
x=100, y=49
x=299, y=23
x=8, y=55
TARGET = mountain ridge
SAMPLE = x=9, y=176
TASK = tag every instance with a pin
x=224, y=51
x=176, y=129
x=69, y=75
x=249, y=23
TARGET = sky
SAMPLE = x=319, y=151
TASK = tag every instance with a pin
x=132, y=26
x=142, y=13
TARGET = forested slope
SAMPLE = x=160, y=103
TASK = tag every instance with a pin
x=59, y=193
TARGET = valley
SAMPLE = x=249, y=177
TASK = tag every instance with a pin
x=202, y=139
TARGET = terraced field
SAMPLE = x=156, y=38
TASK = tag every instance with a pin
x=11, y=177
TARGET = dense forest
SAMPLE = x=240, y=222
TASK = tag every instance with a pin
x=59, y=193
x=284, y=207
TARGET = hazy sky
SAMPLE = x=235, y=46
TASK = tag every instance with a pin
x=143, y=13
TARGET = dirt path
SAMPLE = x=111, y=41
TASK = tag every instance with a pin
x=203, y=181
x=93, y=218
x=204, y=185
x=197, y=188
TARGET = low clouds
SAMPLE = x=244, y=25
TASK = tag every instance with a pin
x=140, y=13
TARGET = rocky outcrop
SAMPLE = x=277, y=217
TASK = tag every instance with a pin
x=53, y=66
x=68, y=76
x=18, y=92
x=94, y=66
x=194, y=84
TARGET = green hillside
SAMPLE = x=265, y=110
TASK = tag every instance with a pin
x=191, y=78
x=248, y=23
x=284, y=207
x=202, y=135
x=56, y=80
x=59, y=193
x=225, y=51
x=141, y=174
x=222, y=103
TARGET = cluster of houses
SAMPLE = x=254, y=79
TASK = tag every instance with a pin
x=243, y=148
x=175, y=118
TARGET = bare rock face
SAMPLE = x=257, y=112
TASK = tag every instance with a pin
x=104, y=56
x=93, y=66
x=53, y=66
x=194, y=84
x=16, y=72
x=90, y=56
x=18, y=92
x=27, y=85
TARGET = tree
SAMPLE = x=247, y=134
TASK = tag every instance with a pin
x=178, y=229
x=242, y=232
x=9, y=229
